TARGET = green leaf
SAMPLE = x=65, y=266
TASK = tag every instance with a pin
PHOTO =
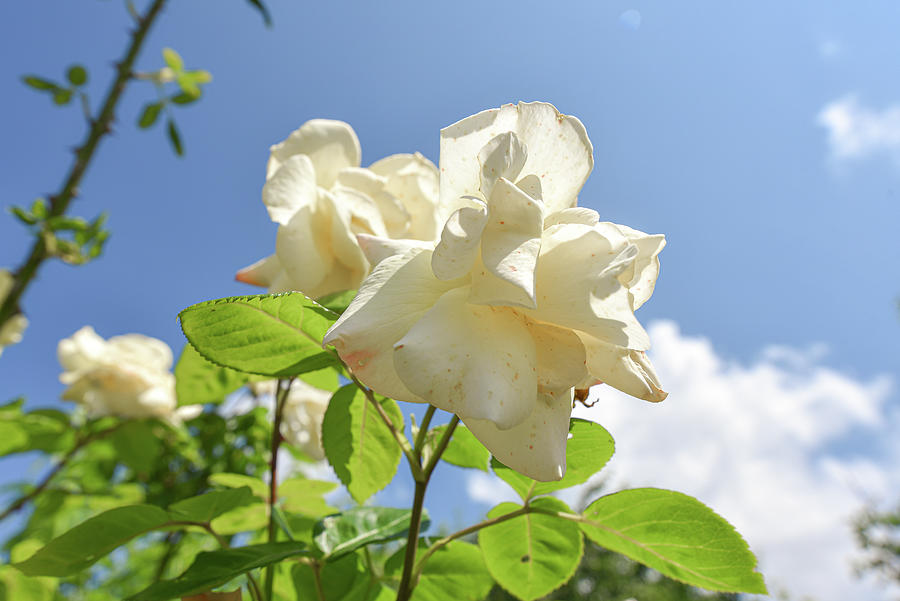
x=197, y=381
x=77, y=75
x=214, y=568
x=44, y=430
x=183, y=98
x=337, y=301
x=187, y=84
x=62, y=96
x=39, y=83
x=138, y=444
x=173, y=59
x=587, y=451
x=22, y=215
x=676, y=535
x=464, y=449
x=271, y=335
x=149, y=114
x=532, y=554
x=455, y=572
x=206, y=507
x=248, y=518
x=175, y=138
x=256, y=486
x=345, y=579
x=339, y=534
x=15, y=586
x=358, y=445
x=305, y=497
x=258, y=5
x=93, y=539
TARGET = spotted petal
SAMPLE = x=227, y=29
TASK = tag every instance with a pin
x=627, y=370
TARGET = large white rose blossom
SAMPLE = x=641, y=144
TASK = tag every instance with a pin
x=524, y=299
x=126, y=376
x=11, y=331
x=322, y=199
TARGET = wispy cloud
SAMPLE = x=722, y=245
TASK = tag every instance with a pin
x=765, y=445
x=856, y=131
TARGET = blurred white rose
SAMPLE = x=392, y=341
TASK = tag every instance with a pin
x=524, y=299
x=321, y=198
x=126, y=376
x=11, y=331
x=301, y=418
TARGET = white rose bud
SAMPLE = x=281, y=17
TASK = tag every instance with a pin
x=525, y=298
x=126, y=376
x=321, y=198
x=11, y=331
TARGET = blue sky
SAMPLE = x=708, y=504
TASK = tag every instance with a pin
x=706, y=121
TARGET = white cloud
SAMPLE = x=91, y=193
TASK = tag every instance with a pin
x=856, y=131
x=762, y=445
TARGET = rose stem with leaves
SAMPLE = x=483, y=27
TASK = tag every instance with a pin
x=99, y=127
x=284, y=386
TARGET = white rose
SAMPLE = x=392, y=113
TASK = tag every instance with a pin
x=525, y=297
x=126, y=376
x=321, y=198
x=301, y=418
x=11, y=331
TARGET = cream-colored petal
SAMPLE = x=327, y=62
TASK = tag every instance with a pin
x=149, y=353
x=627, y=370
x=478, y=362
x=577, y=286
x=460, y=241
x=83, y=350
x=378, y=249
x=396, y=294
x=511, y=241
x=640, y=277
x=262, y=273
x=488, y=289
x=581, y=215
x=358, y=211
x=303, y=248
x=531, y=185
x=290, y=187
x=413, y=181
x=503, y=156
x=331, y=145
x=392, y=213
x=537, y=446
x=559, y=152
x=560, y=358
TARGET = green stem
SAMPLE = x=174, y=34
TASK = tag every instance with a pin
x=442, y=446
x=254, y=585
x=423, y=430
x=101, y=126
x=284, y=387
x=317, y=577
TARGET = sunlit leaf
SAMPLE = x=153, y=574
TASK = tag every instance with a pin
x=337, y=535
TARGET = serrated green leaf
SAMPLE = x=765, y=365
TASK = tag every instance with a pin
x=455, y=572
x=271, y=335
x=337, y=301
x=173, y=59
x=175, y=138
x=339, y=534
x=77, y=75
x=464, y=449
x=197, y=381
x=532, y=554
x=93, y=539
x=676, y=535
x=358, y=445
x=214, y=568
x=345, y=579
x=149, y=115
x=258, y=5
x=208, y=506
x=587, y=451
x=39, y=83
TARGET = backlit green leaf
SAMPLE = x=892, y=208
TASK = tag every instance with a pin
x=337, y=535
x=464, y=449
x=197, y=381
x=455, y=572
x=206, y=507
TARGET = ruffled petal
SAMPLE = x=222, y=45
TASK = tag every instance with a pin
x=303, y=247
x=262, y=273
x=537, y=446
x=560, y=358
x=502, y=157
x=577, y=286
x=291, y=186
x=83, y=350
x=640, y=277
x=149, y=353
x=331, y=145
x=396, y=294
x=510, y=245
x=559, y=152
x=581, y=215
x=413, y=181
x=626, y=370
x=357, y=210
x=460, y=242
x=378, y=249
x=478, y=362
x=391, y=213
